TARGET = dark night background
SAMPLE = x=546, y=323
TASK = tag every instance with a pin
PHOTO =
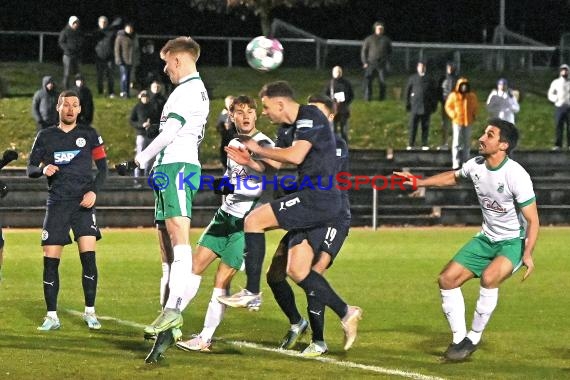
x=416, y=21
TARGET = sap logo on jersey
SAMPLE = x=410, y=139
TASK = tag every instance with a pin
x=65, y=157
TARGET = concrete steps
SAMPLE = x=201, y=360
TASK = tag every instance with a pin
x=121, y=204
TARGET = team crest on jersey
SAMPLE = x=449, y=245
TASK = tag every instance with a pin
x=80, y=142
x=305, y=123
x=45, y=235
x=64, y=157
x=501, y=187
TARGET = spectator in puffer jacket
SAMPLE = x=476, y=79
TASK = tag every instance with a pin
x=462, y=107
x=44, y=104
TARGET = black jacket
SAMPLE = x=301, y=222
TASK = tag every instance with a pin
x=44, y=103
x=139, y=115
x=71, y=41
x=340, y=85
x=104, y=45
x=421, y=95
x=375, y=50
x=447, y=85
x=87, y=107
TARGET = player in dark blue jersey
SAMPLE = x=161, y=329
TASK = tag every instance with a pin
x=7, y=157
x=64, y=154
x=317, y=202
x=328, y=241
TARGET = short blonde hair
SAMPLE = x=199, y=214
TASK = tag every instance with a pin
x=181, y=44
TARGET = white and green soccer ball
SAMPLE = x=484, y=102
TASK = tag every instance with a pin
x=264, y=53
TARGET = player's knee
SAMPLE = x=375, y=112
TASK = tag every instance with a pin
x=297, y=274
x=446, y=281
x=490, y=280
x=250, y=223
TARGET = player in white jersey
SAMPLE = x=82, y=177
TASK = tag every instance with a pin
x=503, y=245
x=224, y=237
x=176, y=149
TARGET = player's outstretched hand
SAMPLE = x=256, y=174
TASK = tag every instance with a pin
x=238, y=154
x=222, y=186
x=3, y=189
x=248, y=142
x=125, y=167
x=408, y=178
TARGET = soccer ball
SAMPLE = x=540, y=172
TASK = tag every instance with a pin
x=264, y=54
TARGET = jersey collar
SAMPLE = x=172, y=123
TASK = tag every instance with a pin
x=498, y=166
x=188, y=78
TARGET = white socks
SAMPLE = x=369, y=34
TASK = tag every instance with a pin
x=453, y=307
x=485, y=306
x=214, y=314
x=164, y=282
x=192, y=286
x=53, y=314
x=180, y=271
x=89, y=309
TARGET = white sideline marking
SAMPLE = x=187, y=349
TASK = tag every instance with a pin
x=324, y=359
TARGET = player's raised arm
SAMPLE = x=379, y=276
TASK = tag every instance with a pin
x=448, y=178
x=295, y=154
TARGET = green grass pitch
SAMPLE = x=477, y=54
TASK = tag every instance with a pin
x=390, y=273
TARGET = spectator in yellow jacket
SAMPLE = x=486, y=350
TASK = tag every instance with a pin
x=461, y=107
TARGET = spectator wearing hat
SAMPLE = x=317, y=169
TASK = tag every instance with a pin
x=71, y=43
x=85, y=99
x=446, y=85
x=502, y=103
x=559, y=94
x=421, y=102
x=375, y=52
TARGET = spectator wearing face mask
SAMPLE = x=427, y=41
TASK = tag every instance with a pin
x=461, y=107
x=559, y=94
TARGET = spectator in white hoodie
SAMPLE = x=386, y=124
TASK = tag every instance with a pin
x=559, y=94
x=502, y=103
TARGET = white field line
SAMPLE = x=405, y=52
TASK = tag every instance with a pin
x=323, y=359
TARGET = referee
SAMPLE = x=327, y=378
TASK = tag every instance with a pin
x=64, y=153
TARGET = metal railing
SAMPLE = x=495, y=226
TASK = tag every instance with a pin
x=315, y=52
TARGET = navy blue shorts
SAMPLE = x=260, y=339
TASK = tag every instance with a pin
x=307, y=208
x=327, y=239
x=68, y=215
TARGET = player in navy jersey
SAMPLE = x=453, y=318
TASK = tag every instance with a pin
x=334, y=235
x=7, y=157
x=318, y=201
x=64, y=154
